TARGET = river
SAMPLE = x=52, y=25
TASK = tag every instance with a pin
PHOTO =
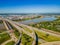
x=38, y=20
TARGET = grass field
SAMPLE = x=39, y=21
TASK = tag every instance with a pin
x=4, y=37
x=1, y=21
x=50, y=25
x=17, y=34
x=27, y=29
x=26, y=40
x=47, y=37
x=10, y=43
x=2, y=30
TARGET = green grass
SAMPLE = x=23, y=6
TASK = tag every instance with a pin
x=47, y=37
x=4, y=37
x=1, y=21
x=2, y=30
x=39, y=43
x=50, y=25
x=17, y=34
x=22, y=19
x=10, y=43
x=27, y=29
x=26, y=40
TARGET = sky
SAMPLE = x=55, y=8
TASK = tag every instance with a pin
x=29, y=6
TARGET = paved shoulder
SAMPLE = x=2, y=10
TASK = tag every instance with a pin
x=52, y=43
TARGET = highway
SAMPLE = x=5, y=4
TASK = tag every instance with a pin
x=13, y=36
x=19, y=28
x=33, y=34
x=9, y=29
x=19, y=40
x=39, y=40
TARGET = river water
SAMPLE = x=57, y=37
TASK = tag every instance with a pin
x=38, y=20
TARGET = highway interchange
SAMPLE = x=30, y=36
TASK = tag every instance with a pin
x=18, y=26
